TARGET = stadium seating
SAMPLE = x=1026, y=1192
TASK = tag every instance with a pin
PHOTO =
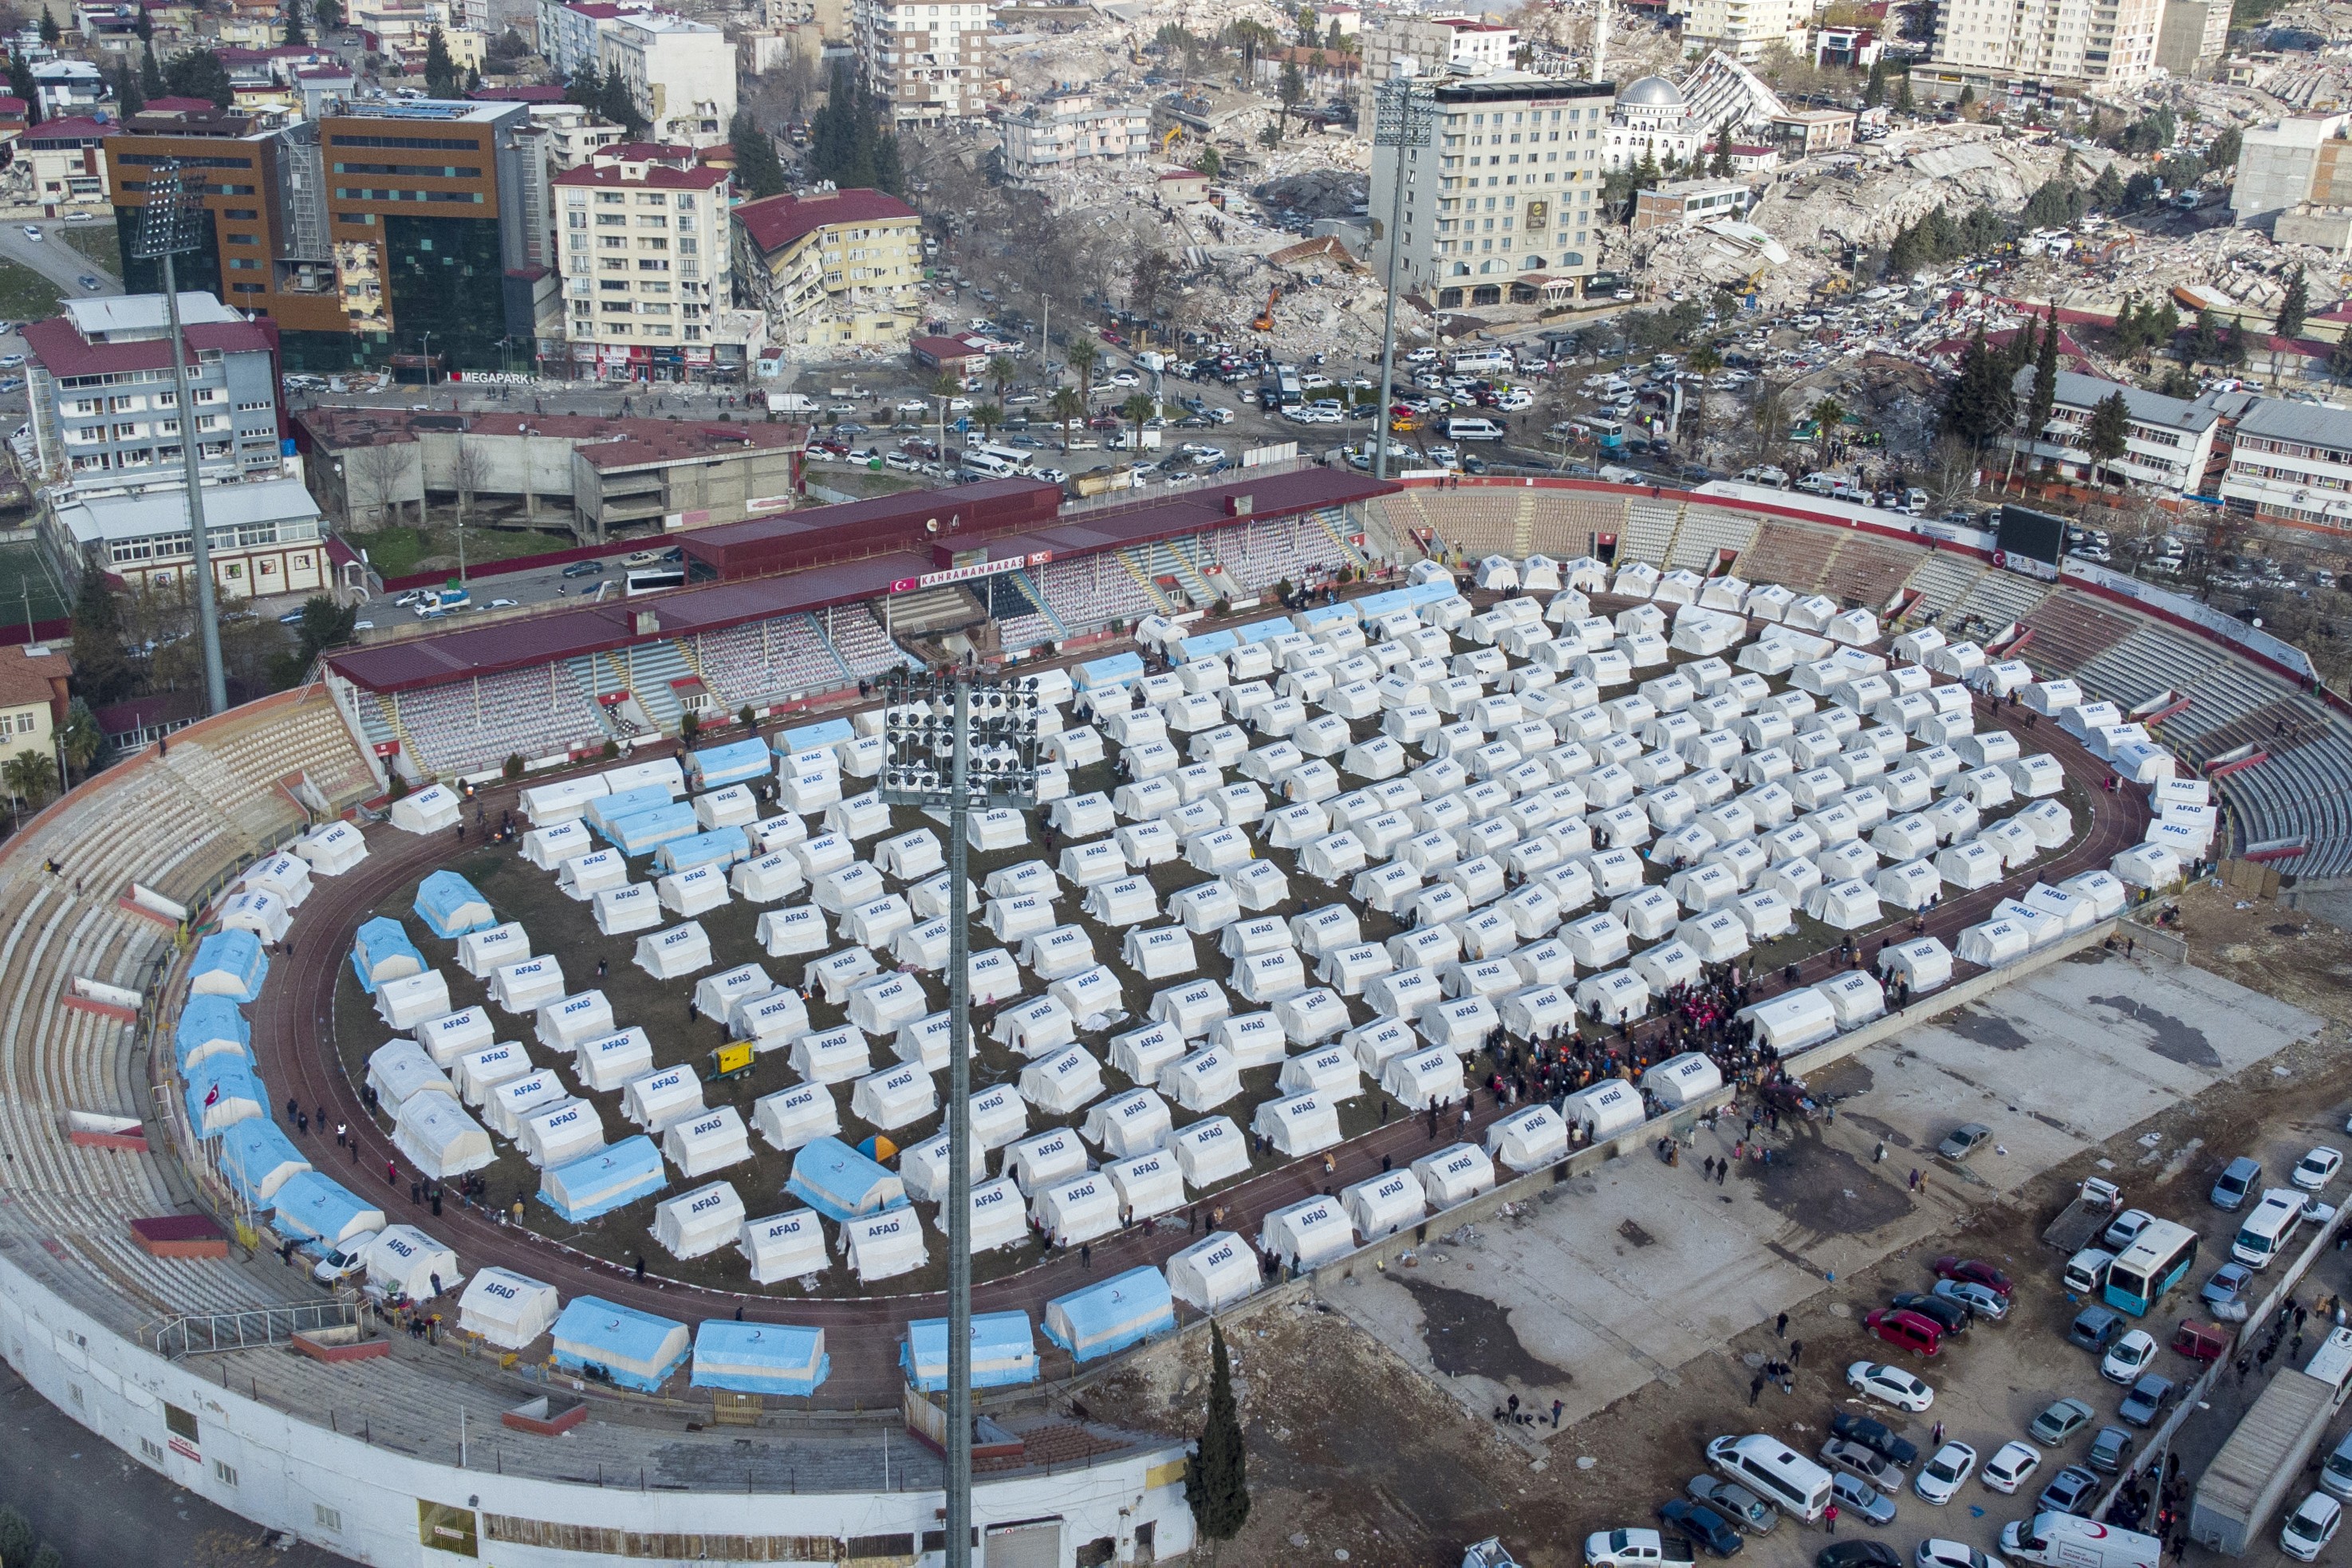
x=1866, y=570
x=476, y=725
x=2069, y=632
x=1941, y=581
x=1649, y=529
x=1706, y=533
x=865, y=649
x=781, y=660
x=1793, y=554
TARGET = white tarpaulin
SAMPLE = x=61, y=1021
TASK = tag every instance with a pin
x=506, y=1309
x=1528, y=1138
x=700, y=1222
x=708, y=1141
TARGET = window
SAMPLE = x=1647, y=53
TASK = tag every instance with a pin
x=180, y=1423
x=221, y=1468
x=242, y=238
x=151, y=1450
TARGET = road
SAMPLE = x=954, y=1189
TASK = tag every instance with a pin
x=54, y=259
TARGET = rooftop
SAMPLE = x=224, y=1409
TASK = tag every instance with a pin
x=1507, y=87
x=2148, y=407
x=102, y=517
x=66, y=350
x=25, y=674
x=605, y=442
x=657, y=176
x=121, y=317
x=777, y=221
x=2279, y=419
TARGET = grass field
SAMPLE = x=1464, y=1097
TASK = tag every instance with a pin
x=25, y=295
x=23, y=567
x=396, y=552
x=95, y=240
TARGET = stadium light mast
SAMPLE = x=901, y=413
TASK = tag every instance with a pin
x=958, y=740
x=170, y=224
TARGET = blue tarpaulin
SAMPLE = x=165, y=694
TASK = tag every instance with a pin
x=737, y=762
x=1208, y=644
x=721, y=846
x=450, y=905
x=759, y=1358
x=1118, y=669
x=257, y=1158
x=808, y=737
x=1372, y=607
x=1322, y=615
x=633, y=1349
x=840, y=1183
x=643, y=832
x=1258, y=631
x=312, y=1205
x=1003, y=1351
x=604, y=1180
x=1123, y=1309
x=230, y=963
x=221, y=1093
x=209, y=1026
x=383, y=951
x=606, y=810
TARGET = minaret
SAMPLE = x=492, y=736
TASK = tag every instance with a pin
x=1601, y=40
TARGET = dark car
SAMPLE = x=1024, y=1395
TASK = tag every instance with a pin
x=2144, y=1406
x=2071, y=1491
x=585, y=569
x=2094, y=1327
x=2111, y=1450
x=1875, y=1435
x=1950, y=1316
x=1704, y=1526
x=1985, y=1274
x=1857, y=1555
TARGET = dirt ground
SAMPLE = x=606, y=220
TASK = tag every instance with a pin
x=1356, y=1456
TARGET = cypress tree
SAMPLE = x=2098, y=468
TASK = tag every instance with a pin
x=1218, y=1487
x=128, y=99
x=1874, y=91
x=2294, y=305
x=2044, y=398
x=151, y=74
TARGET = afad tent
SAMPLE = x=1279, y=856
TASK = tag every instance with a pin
x=606, y=1062
x=258, y=1159
x=231, y=963
x=1683, y=1080
x=603, y=1180
x=1454, y=1173
x=617, y=1344
x=210, y=1026
x=759, y=1358
x=792, y=1118
x=1004, y=1352
x=400, y=1069
x=381, y=951
x=1146, y=1184
x=1306, y=1234
x=331, y=850
x=694, y=1224
x=1792, y=1020
x=1421, y=1079
x=1994, y=942
x=562, y=801
x=1209, y=1151
x=1299, y=1124
x=1103, y=1320
x=401, y=1260
x=560, y=1134
x=1526, y=1139
x=1385, y=1204
x=450, y=905
x=1212, y=1274
x=439, y=1139
x=1855, y=996
x=2147, y=866
x=505, y=1106
x=405, y=1002
x=506, y=1309
x=487, y=947
x=1602, y=1112
x=259, y=912
x=1128, y=1124
x=713, y=1141
x=784, y=1247
x=434, y=809
x=1923, y=962
x=841, y=1183
x=1075, y=1209
x=998, y=1216
x=323, y=1209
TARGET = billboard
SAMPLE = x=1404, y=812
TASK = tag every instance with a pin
x=2025, y=534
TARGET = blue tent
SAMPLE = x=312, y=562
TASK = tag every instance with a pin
x=1323, y=614
x=737, y=762
x=643, y=832
x=633, y=1349
x=1208, y=644
x=258, y=1159
x=721, y=846
x=210, y=1026
x=223, y=1091
x=1258, y=631
x=383, y=951
x=808, y=737
x=1003, y=1351
x=1372, y=607
x=230, y=963
x=1101, y=674
x=606, y=810
x=604, y=1179
x=841, y=1183
x=1123, y=1309
x=760, y=1358
x=315, y=1207
x=450, y=905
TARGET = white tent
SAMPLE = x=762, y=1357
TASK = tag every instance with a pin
x=400, y=1069
x=1529, y=1139
x=1460, y=1024
x=1057, y=954
x=692, y=893
x=1060, y=1083
x=708, y=1141
x=505, y=1105
x=407, y=1002
x=1076, y=1209
x=582, y=877
x=1385, y=1204
x=1683, y=1080
x=1607, y=1109
x=1202, y=1080
x=1034, y=1028
x=1922, y=962
x=1454, y=1175
x=1418, y=1080
x=1309, y=1017
x=2103, y=889
x=2073, y=911
x=2146, y=866
x=654, y=1099
x=1615, y=997
x=680, y=950
x=479, y=952
x=1212, y=1274
x=782, y=1247
x=1717, y=937
x=438, y=1138
x=1307, y=1234
x=1855, y=995
x=880, y=1005
x=769, y=877
x=832, y=1056
x=331, y=850
x=443, y=1038
x=1792, y=1020
x=527, y=985
x=635, y=906
x=560, y=1134
x=1127, y=1124
x=715, y=995
x=1052, y=1155
x=1914, y=885
x=1158, y=953
x=1994, y=942
x=1252, y=1040
x=700, y=1222
x=478, y=1072
x=1146, y=1184
x=604, y=1062
x=506, y=1309
x=1765, y=913
x=434, y=809
x=881, y=1246
x=1667, y=965
x=791, y=1117
x=896, y=1097
x=1209, y=1151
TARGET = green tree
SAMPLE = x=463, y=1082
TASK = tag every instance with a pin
x=848, y=142
x=1979, y=402
x=1721, y=167
x=1967, y=97
x=198, y=73
x=102, y=672
x=2222, y=153
x=1902, y=103
x=1209, y=163
x=81, y=739
x=2205, y=341
x=330, y=14
x=614, y=103
x=49, y=1556
x=1828, y=414
x=1218, y=1485
x=440, y=69
x=151, y=74
x=128, y=100
x=758, y=172
x=1084, y=361
x=17, y=1536
x=988, y=417
x=29, y=778
x=1066, y=405
x=2294, y=305
x=2105, y=439
x=1646, y=174
x=1002, y=373
x=1137, y=408
x=1291, y=92
x=1874, y=91
x=296, y=35
x=2107, y=190
x=2043, y=399
x=50, y=31
x=324, y=624
x=2053, y=205
x=2339, y=360
x=20, y=85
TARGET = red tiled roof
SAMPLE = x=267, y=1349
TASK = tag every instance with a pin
x=646, y=153
x=658, y=177
x=12, y=105
x=25, y=678
x=777, y=221
x=1185, y=174
x=944, y=349
x=232, y=55
x=80, y=129
x=64, y=352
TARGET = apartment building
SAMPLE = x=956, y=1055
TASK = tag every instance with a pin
x=570, y=34
x=680, y=75
x=1989, y=43
x=405, y=230
x=1071, y=130
x=2292, y=463
x=1744, y=29
x=2294, y=159
x=33, y=698
x=1437, y=47
x=1499, y=207
x=928, y=59
x=2191, y=35
x=65, y=163
x=2169, y=443
x=831, y=268
x=104, y=407
x=266, y=536
x=647, y=263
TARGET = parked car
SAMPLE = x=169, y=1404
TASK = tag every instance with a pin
x=2316, y=1169
x=1952, y=1317
x=1907, y=1329
x=1703, y=1525
x=1979, y=1300
x=2310, y=1527
x=1892, y=1384
x=1858, y=1497
x=2111, y=1450
x=1964, y=1141
x=1934, y=1553
x=2009, y=1466
x=2061, y=1420
x=2238, y=1177
x=1856, y=1554
x=2071, y=1491
x=2224, y=1294
x=2094, y=1327
x=585, y=569
x=1943, y=1475
x=1736, y=1503
x=1854, y=1459
x=2148, y=1400
x=2128, y=1357
x=1973, y=1272
x=1877, y=1436
x=2124, y=1229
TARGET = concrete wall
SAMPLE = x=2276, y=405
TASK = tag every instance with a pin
x=368, y=1504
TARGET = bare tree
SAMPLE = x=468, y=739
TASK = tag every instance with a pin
x=469, y=471
x=379, y=468
x=1952, y=472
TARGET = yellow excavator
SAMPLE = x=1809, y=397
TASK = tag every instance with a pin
x=1175, y=133
x=1265, y=321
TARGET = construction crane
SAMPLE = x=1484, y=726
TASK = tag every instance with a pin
x=1265, y=321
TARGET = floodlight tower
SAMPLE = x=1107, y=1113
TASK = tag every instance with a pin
x=957, y=740
x=171, y=223
x=1403, y=115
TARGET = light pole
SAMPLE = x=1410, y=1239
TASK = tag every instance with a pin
x=171, y=222
x=957, y=740
x=1401, y=121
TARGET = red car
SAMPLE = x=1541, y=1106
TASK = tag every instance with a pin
x=1954, y=1268
x=1908, y=1330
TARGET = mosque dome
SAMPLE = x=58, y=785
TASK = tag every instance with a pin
x=1652, y=92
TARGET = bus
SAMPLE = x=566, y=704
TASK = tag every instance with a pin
x=2153, y=1263
x=2267, y=1230
x=655, y=579
x=1608, y=435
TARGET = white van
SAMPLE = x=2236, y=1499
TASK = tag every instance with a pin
x=1013, y=455
x=979, y=460
x=1471, y=429
x=1481, y=362
x=1775, y=1473
x=2265, y=1232
x=2070, y=1540
x=2085, y=1273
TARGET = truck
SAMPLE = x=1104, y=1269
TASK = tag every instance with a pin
x=2094, y=1208
x=2264, y=1457
x=1638, y=1548
x=2070, y=1540
x=789, y=402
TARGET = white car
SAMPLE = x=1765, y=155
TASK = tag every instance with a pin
x=2310, y=1527
x=2125, y=1229
x=1889, y=1385
x=32, y=233
x=1937, y=1553
x=2316, y=1169
x=2128, y=1357
x=2007, y=1470
x=1515, y=400
x=1943, y=1475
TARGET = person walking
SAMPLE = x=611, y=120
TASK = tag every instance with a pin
x=1796, y=1352
x=1829, y=1518
x=1936, y=1435
x=1085, y=1254
x=1755, y=1390
x=1781, y=1326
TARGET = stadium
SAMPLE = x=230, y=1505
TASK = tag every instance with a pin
x=1531, y=758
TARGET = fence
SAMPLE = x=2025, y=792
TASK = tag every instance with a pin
x=207, y=1333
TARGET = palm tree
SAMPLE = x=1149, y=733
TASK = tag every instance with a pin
x=1084, y=361
x=82, y=740
x=1138, y=407
x=988, y=417
x=1828, y=414
x=1067, y=404
x=1002, y=373
x=29, y=777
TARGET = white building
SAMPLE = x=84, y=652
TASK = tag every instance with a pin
x=1670, y=121
x=1499, y=208
x=2062, y=40
x=2292, y=463
x=570, y=33
x=2168, y=440
x=1437, y=47
x=680, y=75
x=647, y=262
x=928, y=58
x=2285, y=162
x=1072, y=131
x=1744, y=29
x=67, y=88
